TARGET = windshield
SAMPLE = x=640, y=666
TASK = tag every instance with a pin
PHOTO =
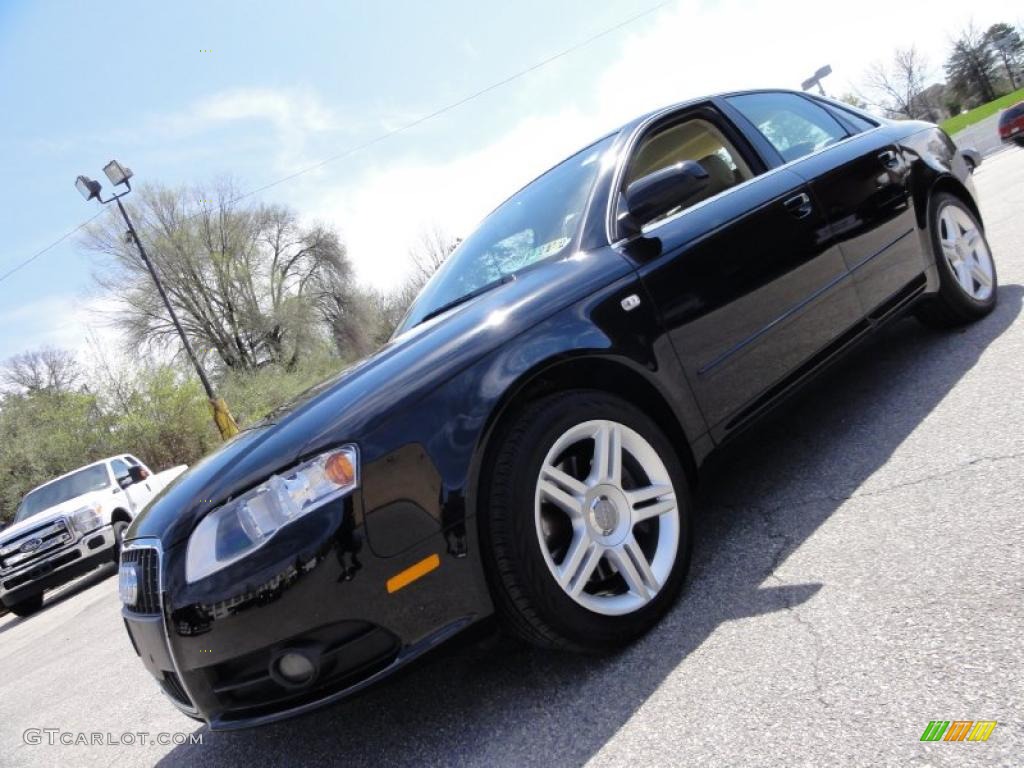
x=540, y=222
x=83, y=481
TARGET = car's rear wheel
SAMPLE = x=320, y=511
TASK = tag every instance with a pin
x=968, y=285
x=28, y=606
x=588, y=522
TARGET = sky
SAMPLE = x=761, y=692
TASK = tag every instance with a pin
x=188, y=92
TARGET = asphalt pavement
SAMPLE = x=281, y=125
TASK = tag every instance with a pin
x=858, y=573
x=982, y=136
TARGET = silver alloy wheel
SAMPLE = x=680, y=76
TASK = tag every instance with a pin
x=964, y=249
x=602, y=513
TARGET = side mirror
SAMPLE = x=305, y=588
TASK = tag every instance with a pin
x=124, y=481
x=658, y=193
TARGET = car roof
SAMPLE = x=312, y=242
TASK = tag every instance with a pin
x=726, y=94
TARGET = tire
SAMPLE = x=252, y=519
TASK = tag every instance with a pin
x=529, y=540
x=962, y=257
x=28, y=606
x=119, y=528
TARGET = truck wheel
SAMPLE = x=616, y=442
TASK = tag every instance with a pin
x=28, y=606
x=119, y=529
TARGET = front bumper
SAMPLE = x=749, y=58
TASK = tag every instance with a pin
x=317, y=588
x=89, y=552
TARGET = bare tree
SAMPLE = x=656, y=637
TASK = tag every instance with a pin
x=896, y=87
x=42, y=370
x=429, y=252
x=246, y=279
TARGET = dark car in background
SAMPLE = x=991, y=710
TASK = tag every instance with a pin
x=1011, y=124
x=527, y=442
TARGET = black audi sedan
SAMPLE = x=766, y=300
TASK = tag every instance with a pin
x=526, y=443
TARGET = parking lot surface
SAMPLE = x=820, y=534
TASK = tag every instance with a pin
x=858, y=573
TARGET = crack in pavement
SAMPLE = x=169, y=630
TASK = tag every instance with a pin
x=740, y=506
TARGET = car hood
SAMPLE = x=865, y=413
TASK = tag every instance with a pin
x=64, y=508
x=358, y=399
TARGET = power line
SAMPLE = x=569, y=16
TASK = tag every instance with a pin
x=388, y=134
x=54, y=244
x=456, y=104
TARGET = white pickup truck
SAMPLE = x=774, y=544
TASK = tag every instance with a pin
x=72, y=525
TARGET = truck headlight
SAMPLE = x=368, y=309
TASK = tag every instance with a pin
x=246, y=523
x=87, y=519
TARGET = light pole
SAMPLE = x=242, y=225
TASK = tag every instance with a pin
x=90, y=190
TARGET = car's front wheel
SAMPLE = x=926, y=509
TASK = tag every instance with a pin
x=588, y=522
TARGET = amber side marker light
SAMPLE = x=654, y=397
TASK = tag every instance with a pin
x=339, y=469
x=413, y=572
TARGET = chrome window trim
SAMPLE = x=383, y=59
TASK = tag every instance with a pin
x=154, y=543
x=627, y=152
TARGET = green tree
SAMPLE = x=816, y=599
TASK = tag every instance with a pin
x=971, y=68
x=249, y=281
x=44, y=434
x=1008, y=47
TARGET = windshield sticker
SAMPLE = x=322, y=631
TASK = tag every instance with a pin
x=550, y=248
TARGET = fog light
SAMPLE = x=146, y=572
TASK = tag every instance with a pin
x=294, y=668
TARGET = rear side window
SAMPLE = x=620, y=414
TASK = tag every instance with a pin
x=795, y=126
x=853, y=122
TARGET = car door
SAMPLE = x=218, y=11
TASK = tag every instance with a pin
x=748, y=285
x=858, y=176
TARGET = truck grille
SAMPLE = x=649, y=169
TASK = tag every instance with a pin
x=35, y=543
x=147, y=562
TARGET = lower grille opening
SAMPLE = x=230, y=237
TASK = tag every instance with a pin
x=172, y=687
x=348, y=654
x=41, y=570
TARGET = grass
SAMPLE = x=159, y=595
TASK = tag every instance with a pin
x=959, y=122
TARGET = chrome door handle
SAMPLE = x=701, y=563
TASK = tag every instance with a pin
x=799, y=205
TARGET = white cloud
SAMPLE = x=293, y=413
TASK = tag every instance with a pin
x=296, y=119
x=65, y=321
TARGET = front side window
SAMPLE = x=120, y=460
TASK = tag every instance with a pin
x=695, y=139
x=94, y=478
x=120, y=469
x=541, y=221
x=795, y=126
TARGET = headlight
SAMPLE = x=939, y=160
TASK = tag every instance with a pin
x=246, y=523
x=87, y=519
